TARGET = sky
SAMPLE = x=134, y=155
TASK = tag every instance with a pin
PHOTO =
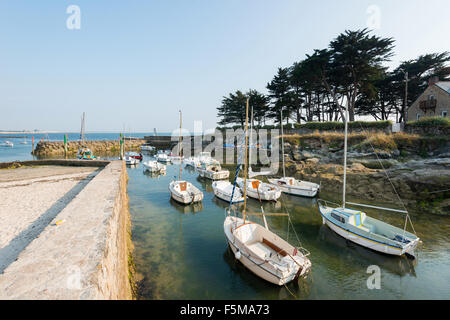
x=133, y=64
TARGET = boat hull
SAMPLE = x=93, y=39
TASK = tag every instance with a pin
x=295, y=190
x=365, y=240
x=183, y=197
x=256, y=265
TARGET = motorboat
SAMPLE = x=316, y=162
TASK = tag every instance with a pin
x=185, y=192
x=130, y=160
x=162, y=157
x=212, y=170
x=135, y=155
x=224, y=190
x=147, y=147
x=7, y=144
x=154, y=167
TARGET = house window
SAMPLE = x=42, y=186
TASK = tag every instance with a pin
x=430, y=97
x=444, y=114
x=418, y=116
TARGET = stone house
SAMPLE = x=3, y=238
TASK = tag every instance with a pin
x=435, y=101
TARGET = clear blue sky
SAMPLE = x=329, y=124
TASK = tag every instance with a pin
x=136, y=63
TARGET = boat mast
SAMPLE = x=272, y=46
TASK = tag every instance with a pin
x=345, y=156
x=245, y=166
x=82, y=128
x=282, y=141
x=179, y=149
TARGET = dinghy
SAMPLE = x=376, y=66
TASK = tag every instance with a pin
x=182, y=191
x=154, y=167
x=259, y=190
x=185, y=192
x=7, y=144
x=260, y=250
x=193, y=162
x=162, y=157
x=359, y=228
x=129, y=160
x=224, y=189
x=212, y=170
x=291, y=185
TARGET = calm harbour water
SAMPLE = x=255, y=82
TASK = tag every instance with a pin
x=181, y=251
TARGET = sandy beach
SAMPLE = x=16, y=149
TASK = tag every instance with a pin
x=30, y=198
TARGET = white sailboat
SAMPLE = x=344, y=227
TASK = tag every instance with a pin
x=84, y=153
x=291, y=185
x=258, y=189
x=260, y=250
x=154, y=167
x=183, y=191
x=357, y=227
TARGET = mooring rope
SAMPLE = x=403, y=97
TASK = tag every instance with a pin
x=390, y=181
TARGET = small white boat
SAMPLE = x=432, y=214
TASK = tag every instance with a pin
x=259, y=190
x=147, y=147
x=291, y=185
x=154, y=167
x=162, y=157
x=130, y=160
x=264, y=253
x=212, y=170
x=174, y=157
x=192, y=162
x=185, y=192
x=205, y=157
x=182, y=191
x=7, y=144
x=224, y=189
x=296, y=187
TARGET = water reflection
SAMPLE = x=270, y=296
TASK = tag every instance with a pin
x=351, y=251
x=185, y=209
x=181, y=251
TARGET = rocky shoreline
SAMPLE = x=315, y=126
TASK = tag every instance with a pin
x=423, y=184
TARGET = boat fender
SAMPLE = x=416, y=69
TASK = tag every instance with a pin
x=237, y=255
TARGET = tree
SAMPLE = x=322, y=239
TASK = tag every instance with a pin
x=419, y=70
x=281, y=95
x=232, y=109
x=357, y=58
x=260, y=104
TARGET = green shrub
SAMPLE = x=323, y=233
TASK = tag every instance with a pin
x=338, y=126
x=430, y=122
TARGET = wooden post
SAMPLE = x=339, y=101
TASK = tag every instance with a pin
x=121, y=146
x=65, y=146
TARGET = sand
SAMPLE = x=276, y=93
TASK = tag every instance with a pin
x=30, y=198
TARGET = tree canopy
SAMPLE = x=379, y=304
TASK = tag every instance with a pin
x=350, y=73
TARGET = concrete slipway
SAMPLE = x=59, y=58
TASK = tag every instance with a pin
x=64, y=231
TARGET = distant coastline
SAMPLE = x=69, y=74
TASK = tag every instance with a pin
x=29, y=132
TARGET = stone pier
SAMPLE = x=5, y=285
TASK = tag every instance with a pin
x=65, y=231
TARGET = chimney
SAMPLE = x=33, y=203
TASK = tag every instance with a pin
x=433, y=80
